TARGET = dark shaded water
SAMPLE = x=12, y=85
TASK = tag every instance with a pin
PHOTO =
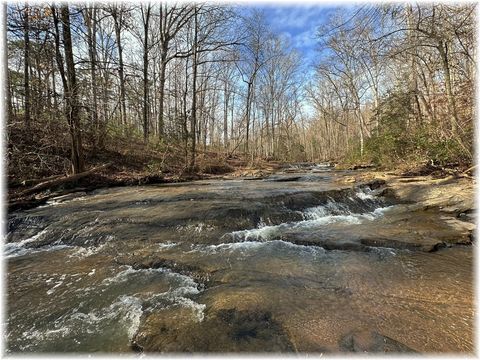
x=238, y=265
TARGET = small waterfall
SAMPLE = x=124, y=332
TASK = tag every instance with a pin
x=355, y=208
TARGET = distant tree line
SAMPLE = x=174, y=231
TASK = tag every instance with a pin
x=396, y=81
x=391, y=81
x=195, y=75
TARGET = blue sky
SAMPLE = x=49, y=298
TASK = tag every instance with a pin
x=299, y=23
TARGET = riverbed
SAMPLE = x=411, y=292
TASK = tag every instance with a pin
x=295, y=262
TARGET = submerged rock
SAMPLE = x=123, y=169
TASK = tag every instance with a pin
x=227, y=330
x=150, y=261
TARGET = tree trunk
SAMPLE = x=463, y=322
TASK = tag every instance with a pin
x=8, y=95
x=91, y=40
x=54, y=91
x=163, y=68
x=146, y=22
x=185, y=115
x=117, y=24
x=413, y=84
x=194, y=93
x=273, y=130
x=72, y=108
x=232, y=134
x=361, y=133
x=426, y=104
x=226, y=98
x=247, y=113
x=253, y=126
x=452, y=108
x=102, y=127
x=37, y=97
x=26, y=39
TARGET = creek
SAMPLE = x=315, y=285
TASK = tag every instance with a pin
x=295, y=262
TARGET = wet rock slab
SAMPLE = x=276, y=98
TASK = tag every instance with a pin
x=403, y=227
x=230, y=267
x=366, y=341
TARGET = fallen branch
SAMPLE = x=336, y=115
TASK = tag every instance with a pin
x=469, y=169
x=60, y=181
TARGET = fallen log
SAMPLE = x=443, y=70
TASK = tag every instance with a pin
x=31, y=182
x=60, y=181
x=37, y=200
x=361, y=166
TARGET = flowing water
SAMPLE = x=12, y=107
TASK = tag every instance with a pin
x=293, y=262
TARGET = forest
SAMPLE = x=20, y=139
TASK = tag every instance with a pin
x=198, y=88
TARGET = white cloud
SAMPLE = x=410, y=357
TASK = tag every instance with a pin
x=296, y=17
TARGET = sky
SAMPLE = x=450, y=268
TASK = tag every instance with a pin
x=299, y=23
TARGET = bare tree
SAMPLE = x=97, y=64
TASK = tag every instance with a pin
x=69, y=80
x=26, y=72
x=146, y=17
x=89, y=14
